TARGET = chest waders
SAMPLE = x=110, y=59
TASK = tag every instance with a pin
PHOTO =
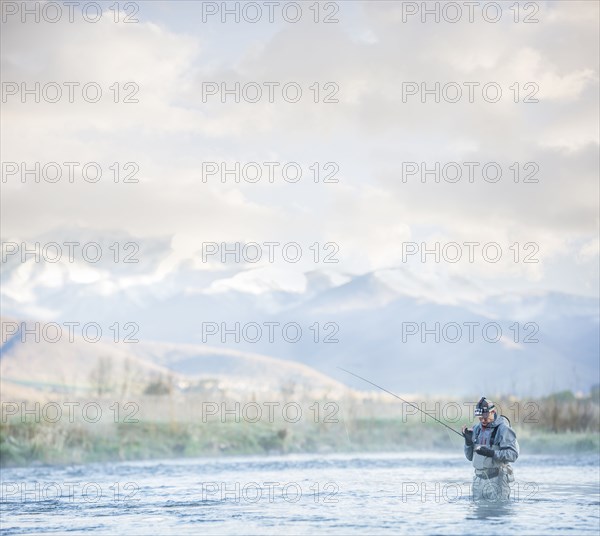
x=492, y=478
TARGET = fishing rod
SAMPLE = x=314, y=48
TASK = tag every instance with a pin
x=400, y=398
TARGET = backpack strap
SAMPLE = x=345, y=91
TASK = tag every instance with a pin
x=493, y=435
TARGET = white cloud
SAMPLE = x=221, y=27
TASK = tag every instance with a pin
x=369, y=133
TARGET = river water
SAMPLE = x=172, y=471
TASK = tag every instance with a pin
x=413, y=493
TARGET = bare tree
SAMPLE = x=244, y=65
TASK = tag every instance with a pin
x=101, y=376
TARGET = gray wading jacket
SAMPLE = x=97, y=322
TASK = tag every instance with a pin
x=505, y=444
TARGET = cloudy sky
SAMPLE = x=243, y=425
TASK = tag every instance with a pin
x=364, y=61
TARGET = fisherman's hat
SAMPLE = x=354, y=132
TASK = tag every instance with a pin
x=484, y=406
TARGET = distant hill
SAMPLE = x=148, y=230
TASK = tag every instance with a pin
x=39, y=370
x=549, y=340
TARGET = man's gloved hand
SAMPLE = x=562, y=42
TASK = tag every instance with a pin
x=485, y=451
x=468, y=435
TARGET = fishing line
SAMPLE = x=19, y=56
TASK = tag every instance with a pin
x=400, y=398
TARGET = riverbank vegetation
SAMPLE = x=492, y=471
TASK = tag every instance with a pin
x=158, y=427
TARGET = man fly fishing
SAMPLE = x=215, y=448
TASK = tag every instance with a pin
x=492, y=446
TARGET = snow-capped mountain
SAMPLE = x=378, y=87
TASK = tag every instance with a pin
x=414, y=332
